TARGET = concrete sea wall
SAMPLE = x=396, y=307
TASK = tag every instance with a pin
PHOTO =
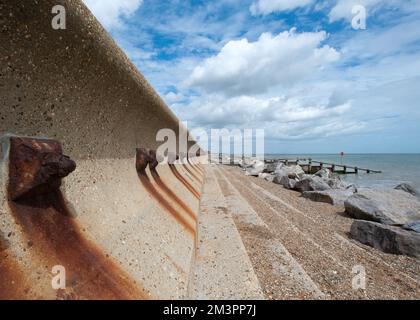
x=118, y=234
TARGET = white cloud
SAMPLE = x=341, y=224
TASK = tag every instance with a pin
x=244, y=67
x=361, y=99
x=172, y=97
x=287, y=83
x=371, y=43
x=111, y=12
x=294, y=116
x=265, y=7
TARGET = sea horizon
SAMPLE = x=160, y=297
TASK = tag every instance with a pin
x=396, y=168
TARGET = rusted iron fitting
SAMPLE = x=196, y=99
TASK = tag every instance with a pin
x=36, y=166
x=145, y=157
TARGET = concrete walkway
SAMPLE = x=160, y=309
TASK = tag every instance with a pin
x=298, y=249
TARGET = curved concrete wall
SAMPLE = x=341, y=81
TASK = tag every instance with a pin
x=77, y=87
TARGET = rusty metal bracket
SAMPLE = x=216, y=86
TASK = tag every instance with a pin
x=145, y=157
x=36, y=166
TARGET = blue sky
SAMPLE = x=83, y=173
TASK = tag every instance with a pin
x=295, y=68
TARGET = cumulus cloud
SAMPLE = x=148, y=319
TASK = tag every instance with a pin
x=243, y=67
x=265, y=7
x=308, y=96
x=111, y=12
x=172, y=97
x=271, y=113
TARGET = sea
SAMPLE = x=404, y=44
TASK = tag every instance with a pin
x=396, y=168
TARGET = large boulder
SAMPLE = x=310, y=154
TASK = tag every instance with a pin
x=408, y=188
x=255, y=169
x=333, y=196
x=412, y=226
x=266, y=176
x=286, y=182
x=246, y=163
x=333, y=180
x=347, y=186
x=277, y=178
x=269, y=177
x=279, y=165
x=270, y=167
x=389, y=239
x=336, y=183
x=311, y=183
x=278, y=175
x=296, y=171
x=324, y=174
x=263, y=175
x=293, y=172
x=387, y=206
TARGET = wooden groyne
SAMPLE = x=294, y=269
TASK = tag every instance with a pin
x=311, y=166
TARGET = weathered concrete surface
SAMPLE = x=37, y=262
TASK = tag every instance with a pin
x=74, y=85
x=222, y=266
x=135, y=234
x=280, y=275
x=77, y=87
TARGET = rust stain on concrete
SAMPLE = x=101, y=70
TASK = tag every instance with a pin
x=177, y=267
x=147, y=184
x=196, y=169
x=199, y=169
x=143, y=159
x=185, y=166
x=12, y=283
x=55, y=237
x=183, y=181
x=198, y=172
x=171, y=194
